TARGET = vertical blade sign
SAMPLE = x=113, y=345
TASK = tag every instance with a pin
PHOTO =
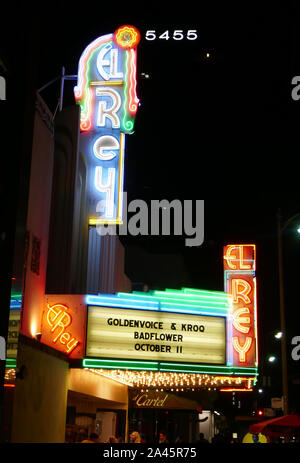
x=106, y=93
x=240, y=283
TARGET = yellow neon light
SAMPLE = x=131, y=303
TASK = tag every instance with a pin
x=242, y=350
x=229, y=258
x=237, y=293
x=98, y=221
x=167, y=380
x=104, y=82
x=237, y=320
x=243, y=266
x=58, y=318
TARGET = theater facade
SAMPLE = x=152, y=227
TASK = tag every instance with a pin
x=147, y=361
x=87, y=353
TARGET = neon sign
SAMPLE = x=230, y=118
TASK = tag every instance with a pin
x=106, y=93
x=240, y=282
x=58, y=320
x=64, y=324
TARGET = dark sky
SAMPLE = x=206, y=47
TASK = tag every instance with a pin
x=222, y=127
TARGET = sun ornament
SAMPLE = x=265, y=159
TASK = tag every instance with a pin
x=127, y=37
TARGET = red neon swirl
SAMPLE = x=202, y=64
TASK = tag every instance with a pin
x=86, y=120
x=133, y=99
x=85, y=125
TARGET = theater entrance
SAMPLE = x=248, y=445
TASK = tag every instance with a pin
x=151, y=412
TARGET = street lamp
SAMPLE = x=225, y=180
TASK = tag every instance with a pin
x=281, y=227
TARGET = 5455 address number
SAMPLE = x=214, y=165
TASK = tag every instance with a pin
x=191, y=34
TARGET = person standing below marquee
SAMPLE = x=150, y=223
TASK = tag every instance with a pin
x=94, y=439
x=163, y=438
x=135, y=438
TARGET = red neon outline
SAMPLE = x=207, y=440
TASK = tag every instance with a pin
x=133, y=99
x=86, y=124
x=236, y=268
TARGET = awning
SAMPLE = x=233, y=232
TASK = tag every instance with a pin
x=288, y=425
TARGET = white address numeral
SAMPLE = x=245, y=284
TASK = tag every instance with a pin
x=177, y=35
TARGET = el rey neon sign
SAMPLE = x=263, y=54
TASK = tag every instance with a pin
x=57, y=328
x=106, y=93
x=240, y=283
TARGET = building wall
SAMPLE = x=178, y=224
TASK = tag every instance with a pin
x=112, y=277
x=80, y=261
x=66, y=194
x=39, y=411
x=88, y=383
x=38, y=216
x=100, y=403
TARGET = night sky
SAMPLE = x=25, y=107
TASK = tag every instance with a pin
x=223, y=127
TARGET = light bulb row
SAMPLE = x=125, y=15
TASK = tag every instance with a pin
x=10, y=374
x=167, y=380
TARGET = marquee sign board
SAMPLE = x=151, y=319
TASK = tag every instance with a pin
x=155, y=336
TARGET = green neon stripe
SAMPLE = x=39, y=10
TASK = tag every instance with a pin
x=199, y=302
x=169, y=367
x=119, y=364
x=208, y=369
x=201, y=291
x=10, y=363
x=220, y=310
x=189, y=303
x=195, y=294
x=134, y=362
x=191, y=299
x=15, y=295
x=186, y=303
x=217, y=296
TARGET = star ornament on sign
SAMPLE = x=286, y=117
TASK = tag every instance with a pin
x=127, y=37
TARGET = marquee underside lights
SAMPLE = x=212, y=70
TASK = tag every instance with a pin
x=240, y=283
x=177, y=381
x=106, y=93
